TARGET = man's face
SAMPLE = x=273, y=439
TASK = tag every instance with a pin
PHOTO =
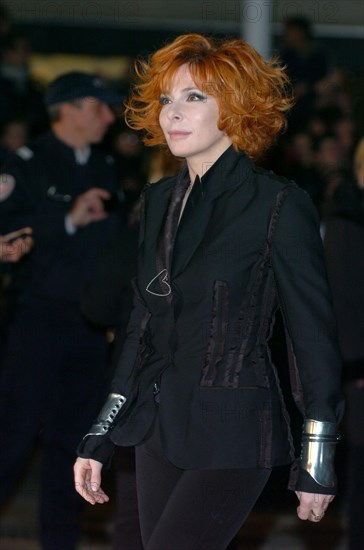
x=91, y=119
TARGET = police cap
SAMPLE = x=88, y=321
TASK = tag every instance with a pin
x=77, y=85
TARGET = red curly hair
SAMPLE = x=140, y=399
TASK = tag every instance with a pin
x=253, y=94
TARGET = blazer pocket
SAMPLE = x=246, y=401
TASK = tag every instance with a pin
x=217, y=334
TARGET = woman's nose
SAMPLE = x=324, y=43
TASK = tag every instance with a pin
x=174, y=112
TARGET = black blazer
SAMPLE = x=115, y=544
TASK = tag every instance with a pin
x=248, y=245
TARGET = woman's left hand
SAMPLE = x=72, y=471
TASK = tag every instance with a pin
x=312, y=505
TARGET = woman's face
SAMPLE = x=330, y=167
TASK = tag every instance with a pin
x=189, y=120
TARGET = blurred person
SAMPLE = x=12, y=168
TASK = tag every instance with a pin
x=331, y=169
x=333, y=91
x=317, y=164
x=13, y=135
x=20, y=95
x=300, y=166
x=333, y=120
x=344, y=246
x=345, y=131
x=307, y=64
x=302, y=149
x=131, y=162
x=195, y=389
x=13, y=247
x=5, y=24
x=316, y=125
x=16, y=244
x=60, y=186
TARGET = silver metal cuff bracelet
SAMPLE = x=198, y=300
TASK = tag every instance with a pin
x=319, y=440
x=108, y=413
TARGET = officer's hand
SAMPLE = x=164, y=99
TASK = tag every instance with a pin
x=89, y=207
x=87, y=474
x=312, y=505
x=14, y=245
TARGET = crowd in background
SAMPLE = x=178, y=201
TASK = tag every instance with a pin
x=322, y=150
x=316, y=151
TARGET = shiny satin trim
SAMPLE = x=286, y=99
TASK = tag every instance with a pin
x=218, y=333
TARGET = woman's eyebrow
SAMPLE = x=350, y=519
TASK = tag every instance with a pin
x=187, y=89
x=190, y=88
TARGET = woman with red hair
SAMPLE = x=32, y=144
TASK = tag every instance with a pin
x=223, y=245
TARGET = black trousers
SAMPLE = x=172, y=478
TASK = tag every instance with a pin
x=356, y=498
x=191, y=509
x=126, y=535
x=53, y=381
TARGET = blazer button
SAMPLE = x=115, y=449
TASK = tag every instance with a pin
x=156, y=391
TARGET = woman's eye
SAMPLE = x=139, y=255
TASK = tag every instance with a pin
x=164, y=100
x=196, y=97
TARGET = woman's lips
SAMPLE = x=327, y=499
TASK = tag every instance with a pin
x=178, y=135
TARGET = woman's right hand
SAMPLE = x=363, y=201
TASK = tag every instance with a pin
x=87, y=474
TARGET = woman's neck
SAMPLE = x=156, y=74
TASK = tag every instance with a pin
x=199, y=165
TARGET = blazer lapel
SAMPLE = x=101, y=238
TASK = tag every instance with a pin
x=230, y=171
x=161, y=225
x=155, y=216
x=190, y=233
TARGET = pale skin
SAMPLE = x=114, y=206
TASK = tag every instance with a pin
x=189, y=120
x=13, y=246
x=89, y=207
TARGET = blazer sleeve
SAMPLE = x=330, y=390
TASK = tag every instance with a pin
x=305, y=301
x=100, y=447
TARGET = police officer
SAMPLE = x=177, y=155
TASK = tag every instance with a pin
x=60, y=187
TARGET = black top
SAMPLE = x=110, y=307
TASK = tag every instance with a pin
x=250, y=245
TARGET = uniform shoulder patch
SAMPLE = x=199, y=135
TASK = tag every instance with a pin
x=7, y=186
x=25, y=153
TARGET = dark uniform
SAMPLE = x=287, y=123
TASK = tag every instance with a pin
x=54, y=372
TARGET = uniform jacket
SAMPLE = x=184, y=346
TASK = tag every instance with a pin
x=46, y=180
x=247, y=244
